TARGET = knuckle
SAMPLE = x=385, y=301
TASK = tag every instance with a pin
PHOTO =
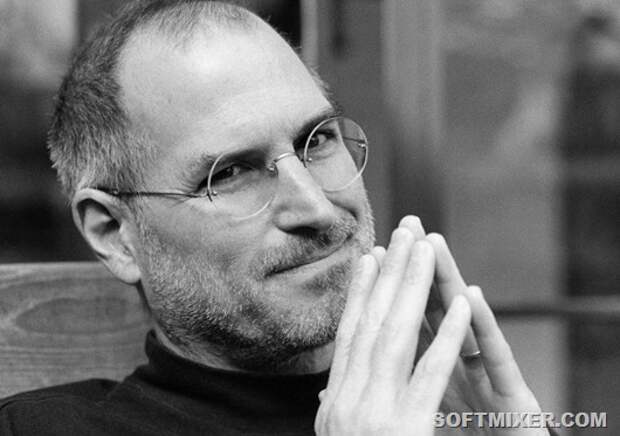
x=343, y=339
x=340, y=414
x=431, y=366
x=321, y=418
x=389, y=353
x=371, y=319
x=373, y=419
x=450, y=328
x=421, y=262
x=412, y=277
x=368, y=416
x=390, y=329
x=374, y=426
x=415, y=276
x=357, y=285
x=390, y=266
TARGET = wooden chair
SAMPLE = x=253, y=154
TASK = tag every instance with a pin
x=62, y=322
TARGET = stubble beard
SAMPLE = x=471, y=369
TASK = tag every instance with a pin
x=204, y=311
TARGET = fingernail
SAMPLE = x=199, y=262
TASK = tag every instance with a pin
x=363, y=262
x=401, y=233
x=475, y=291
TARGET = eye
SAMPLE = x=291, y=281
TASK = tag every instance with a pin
x=228, y=173
x=320, y=138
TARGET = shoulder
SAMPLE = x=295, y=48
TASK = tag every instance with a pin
x=89, y=390
x=45, y=409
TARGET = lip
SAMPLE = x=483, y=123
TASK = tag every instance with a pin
x=316, y=260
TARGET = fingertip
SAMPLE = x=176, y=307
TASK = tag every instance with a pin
x=378, y=251
x=460, y=305
x=437, y=239
x=364, y=261
x=474, y=292
x=477, y=300
x=413, y=224
x=482, y=312
x=365, y=266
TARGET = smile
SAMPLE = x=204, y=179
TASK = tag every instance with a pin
x=314, y=264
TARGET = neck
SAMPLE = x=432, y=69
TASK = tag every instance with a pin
x=308, y=362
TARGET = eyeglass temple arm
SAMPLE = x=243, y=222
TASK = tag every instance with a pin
x=359, y=141
x=119, y=193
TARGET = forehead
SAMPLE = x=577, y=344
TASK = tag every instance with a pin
x=220, y=89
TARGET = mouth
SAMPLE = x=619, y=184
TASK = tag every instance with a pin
x=316, y=260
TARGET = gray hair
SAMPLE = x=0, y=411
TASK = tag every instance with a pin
x=91, y=142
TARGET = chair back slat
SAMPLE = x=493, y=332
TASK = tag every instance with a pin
x=62, y=322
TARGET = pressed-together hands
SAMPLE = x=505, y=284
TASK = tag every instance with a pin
x=374, y=387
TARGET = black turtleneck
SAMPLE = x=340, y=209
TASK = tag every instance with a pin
x=169, y=396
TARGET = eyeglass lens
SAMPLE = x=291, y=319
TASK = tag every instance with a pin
x=335, y=154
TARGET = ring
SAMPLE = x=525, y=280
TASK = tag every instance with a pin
x=471, y=356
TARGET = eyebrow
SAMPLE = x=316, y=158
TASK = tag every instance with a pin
x=306, y=128
x=206, y=160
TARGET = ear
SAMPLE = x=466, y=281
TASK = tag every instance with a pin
x=106, y=224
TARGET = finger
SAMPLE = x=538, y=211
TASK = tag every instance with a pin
x=496, y=354
x=376, y=309
x=434, y=309
x=414, y=225
x=425, y=339
x=431, y=375
x=379, y=253
x=449, y=284
x=394, y=352
x=434, y=305
x=363, y=281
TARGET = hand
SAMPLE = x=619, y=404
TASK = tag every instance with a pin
x=371, y=388
x=493, y=382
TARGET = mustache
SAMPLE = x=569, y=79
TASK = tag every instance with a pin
x=308, y=245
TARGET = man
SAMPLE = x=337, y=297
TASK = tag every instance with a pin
x=207, y=167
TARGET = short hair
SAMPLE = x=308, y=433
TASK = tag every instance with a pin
x=91, y=142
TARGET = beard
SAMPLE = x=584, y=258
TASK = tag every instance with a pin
x=243, y=316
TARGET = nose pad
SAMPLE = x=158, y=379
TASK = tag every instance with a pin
x=299, y=200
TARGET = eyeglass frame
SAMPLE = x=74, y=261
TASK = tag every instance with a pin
x=270, y=167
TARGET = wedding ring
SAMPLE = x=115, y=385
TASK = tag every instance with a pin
x=471, y=356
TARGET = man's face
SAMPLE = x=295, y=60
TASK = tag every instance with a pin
x=256, y=291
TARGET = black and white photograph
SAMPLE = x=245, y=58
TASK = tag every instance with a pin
x=309, y=217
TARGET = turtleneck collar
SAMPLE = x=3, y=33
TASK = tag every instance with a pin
x=261, y=402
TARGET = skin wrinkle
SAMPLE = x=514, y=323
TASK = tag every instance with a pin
x=197, y=170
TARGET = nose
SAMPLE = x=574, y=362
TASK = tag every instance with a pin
x=300, y=203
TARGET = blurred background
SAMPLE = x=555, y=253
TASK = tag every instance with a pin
x=496, y=121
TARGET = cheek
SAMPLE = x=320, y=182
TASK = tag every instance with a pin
x=196, y=235
x=354, y=199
